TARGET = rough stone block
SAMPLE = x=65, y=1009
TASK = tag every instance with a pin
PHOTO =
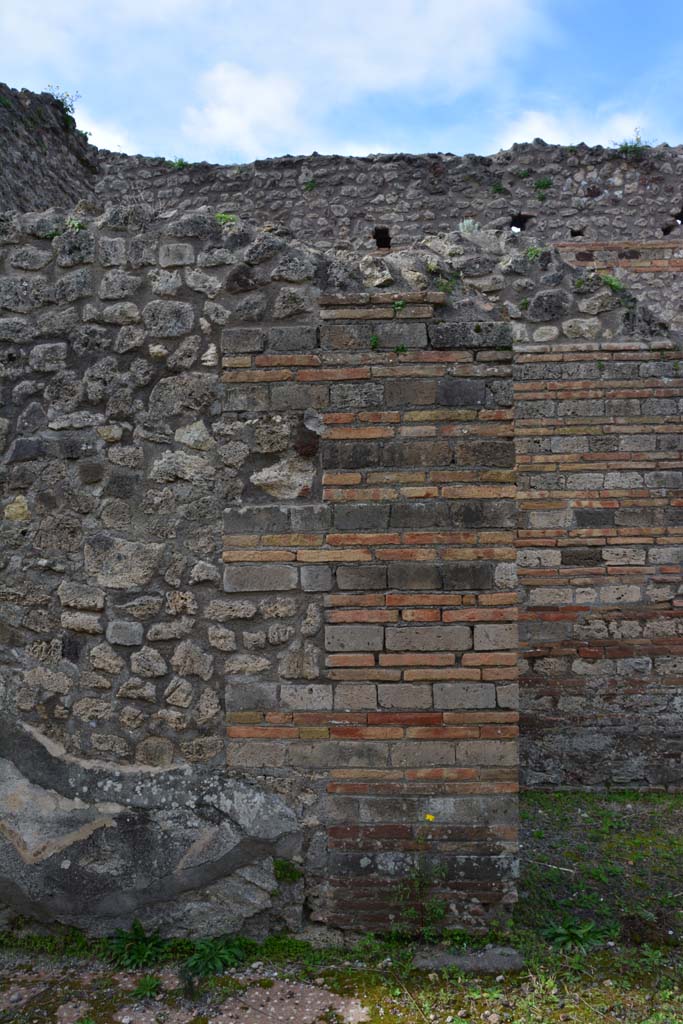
x=316, y=578
x=248, y=577
x=128, y=634
x=292, y=339
x=354, y=638
x=414, y=576
x=405, y=696
x=176, y=254
x=361, y=577
x=491, y=637
x=467, y=575
x=499, y=753
x=461, y=696
x=306, y=696
x=238, y=340
x=461, y=393
x=428, y=638
x=256, y=519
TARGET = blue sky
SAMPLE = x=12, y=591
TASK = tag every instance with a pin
x=232, y=80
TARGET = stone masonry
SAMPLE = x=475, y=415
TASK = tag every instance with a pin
x=274, y=507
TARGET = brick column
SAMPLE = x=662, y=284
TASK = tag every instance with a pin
x=405, y=542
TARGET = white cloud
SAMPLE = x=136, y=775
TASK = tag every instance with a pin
x=573, y=126
x=105, y=134
x=291, y=69
x=243, y=111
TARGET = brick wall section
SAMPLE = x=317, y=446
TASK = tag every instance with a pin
x=414, y=712
x=638, y=257
x=600, y=544
x=259, y=577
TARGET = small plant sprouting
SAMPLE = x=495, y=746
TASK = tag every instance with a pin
x=67, y=101
x=211, y=956
x=634, y=148
x=147, y=988
x=135, y=948
x=4, y=102
x=400, y=349
x=613, y=283
x=422, y=912
x=310, y=185
x=677, y=366
x=374, y=342
x=533, y=253
x=446, y=285
x=73, y=224
x=574, y=934
x=600, y=365
x=469, y=226
x=524, y=303
x=177, y=163
x=498, y=188
x=286, y=871
x=541, y=185
x=524, y=172
x=432, y=267
x=398, y=305
x=226, y=218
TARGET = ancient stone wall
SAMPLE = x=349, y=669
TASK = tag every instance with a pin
x=258, y=579
x=44, y=160
x=599, y=439
x=261, y=489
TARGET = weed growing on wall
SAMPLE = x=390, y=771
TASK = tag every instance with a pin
x=541, y=186
x=67, y=101
x=613, y=283
x=634, y=148
x=422, y=912
x=148, y=987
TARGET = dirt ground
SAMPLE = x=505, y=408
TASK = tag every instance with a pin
x=599, y=926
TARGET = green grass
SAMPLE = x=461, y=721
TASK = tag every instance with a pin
x=599, y=921
x=613, y=283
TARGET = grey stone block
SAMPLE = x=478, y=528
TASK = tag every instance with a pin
x=428, y=638
x=349, y=516
x=407, y=754
x=306, y=696
x=256, y=519
x=128, y=634
x=354, y=638
x=479, y=335
x=461, y=696
x=390, y=334
x=316, y=578
x=414, y=576
x=490, y=637
x=249, y=577
x=292, y=339
x=361, y=577
x=257, y=695
x=357, y=395
x=310, y=518
x=418, y=515
x=346, y=455
x=461, y=393
x=289, y=397
x=236, y=340
x=467, y=575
